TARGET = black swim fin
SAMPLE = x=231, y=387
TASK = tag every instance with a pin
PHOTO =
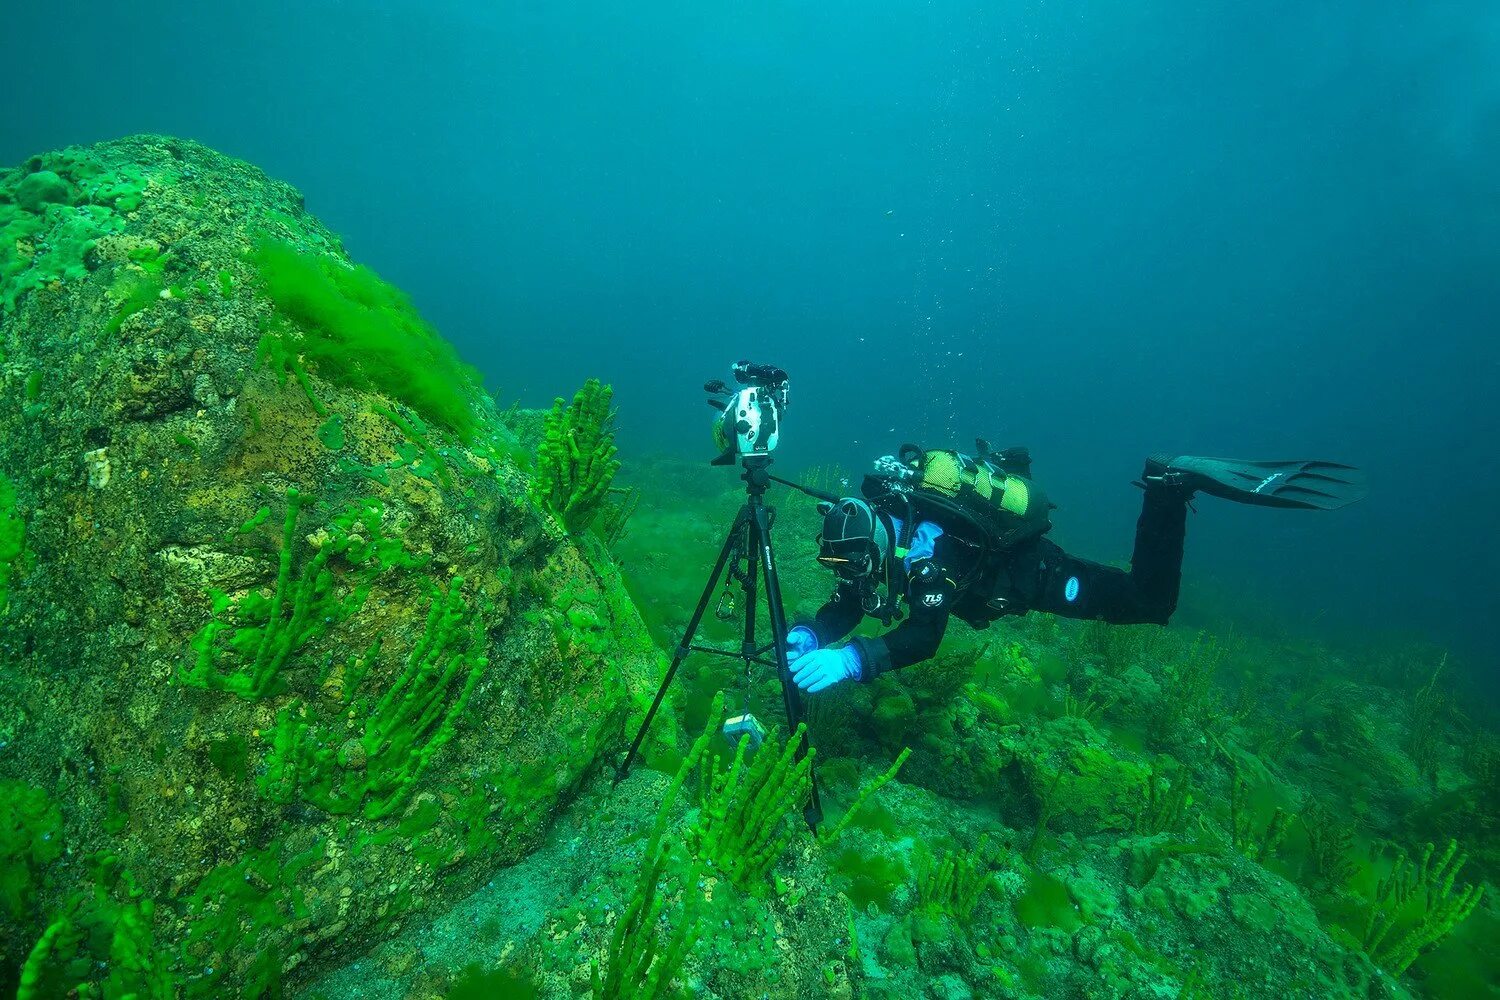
x=1312, y=485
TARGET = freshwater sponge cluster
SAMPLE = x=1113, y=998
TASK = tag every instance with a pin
x=282, y=661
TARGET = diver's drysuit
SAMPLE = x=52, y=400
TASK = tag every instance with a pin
x=943, y=567
x=938, y=578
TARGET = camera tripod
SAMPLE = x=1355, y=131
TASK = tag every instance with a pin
x=749, y=539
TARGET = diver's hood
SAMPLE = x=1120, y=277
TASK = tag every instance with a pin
x=854, y=541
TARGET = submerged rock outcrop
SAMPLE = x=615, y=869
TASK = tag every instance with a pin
x=291, y=649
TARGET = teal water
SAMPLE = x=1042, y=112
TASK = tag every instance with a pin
x=1098, y=229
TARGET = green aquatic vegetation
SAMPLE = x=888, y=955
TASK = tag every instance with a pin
x=12, y=541
x=399, y=733
x=134, y=293
x=1118, y=647
x=872, y=877
x=615, y=515
x=1190, y=699
x=1424, y=729
x=743, y=821
x=30, y=839
x=247, y=644
x=237, y=914
x=865, y=795
x=643, y=956
x=358, y=331
x=952, y=883
x=99, y=943
x=1330, y=848
x=576, y=460
x=1087, y=708
x=1169, y=791
x=1257, y=839
x=226, y=284
x=1415, y=906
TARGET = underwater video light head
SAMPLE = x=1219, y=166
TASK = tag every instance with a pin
x=748, y=423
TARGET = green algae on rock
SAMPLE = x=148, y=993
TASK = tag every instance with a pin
x=297, y=668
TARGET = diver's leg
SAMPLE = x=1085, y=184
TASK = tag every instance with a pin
x=1080, y=588
x=1156, y=563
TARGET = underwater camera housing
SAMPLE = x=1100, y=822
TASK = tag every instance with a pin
x=749, y=419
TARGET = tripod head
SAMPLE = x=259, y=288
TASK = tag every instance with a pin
x=749, y=419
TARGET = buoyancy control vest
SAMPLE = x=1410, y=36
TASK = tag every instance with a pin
x=989, y=500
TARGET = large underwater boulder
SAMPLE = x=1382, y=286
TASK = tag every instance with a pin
x=290, y=648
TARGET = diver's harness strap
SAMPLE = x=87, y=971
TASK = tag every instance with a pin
x=881, y=599
x=894, y=489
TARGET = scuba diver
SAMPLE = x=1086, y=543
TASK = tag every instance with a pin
x=949, y=534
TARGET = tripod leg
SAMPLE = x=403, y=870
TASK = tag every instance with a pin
x=730, y=544
x=760, y=537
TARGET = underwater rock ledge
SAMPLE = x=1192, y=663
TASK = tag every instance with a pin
x=289, y=650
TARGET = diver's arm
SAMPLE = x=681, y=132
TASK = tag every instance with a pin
x=837, y=617
x=929, y=594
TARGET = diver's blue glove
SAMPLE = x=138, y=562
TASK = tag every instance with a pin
x=799, y=642
x=826, y=667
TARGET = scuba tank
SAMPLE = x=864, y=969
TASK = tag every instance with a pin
x=988, y=500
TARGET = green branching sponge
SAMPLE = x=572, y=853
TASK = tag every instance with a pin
x=1255, y=840
x=576, y=459
x=375, y=765
x=99, y=943
x=249, y=642
x=636, y=965
x=415, y=718
x=954, y=883
x=1169, y=792
x=741, y=828
x=1415, y=906
x=865, y=795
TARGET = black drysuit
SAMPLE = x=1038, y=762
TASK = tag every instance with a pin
x=1034, y=576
